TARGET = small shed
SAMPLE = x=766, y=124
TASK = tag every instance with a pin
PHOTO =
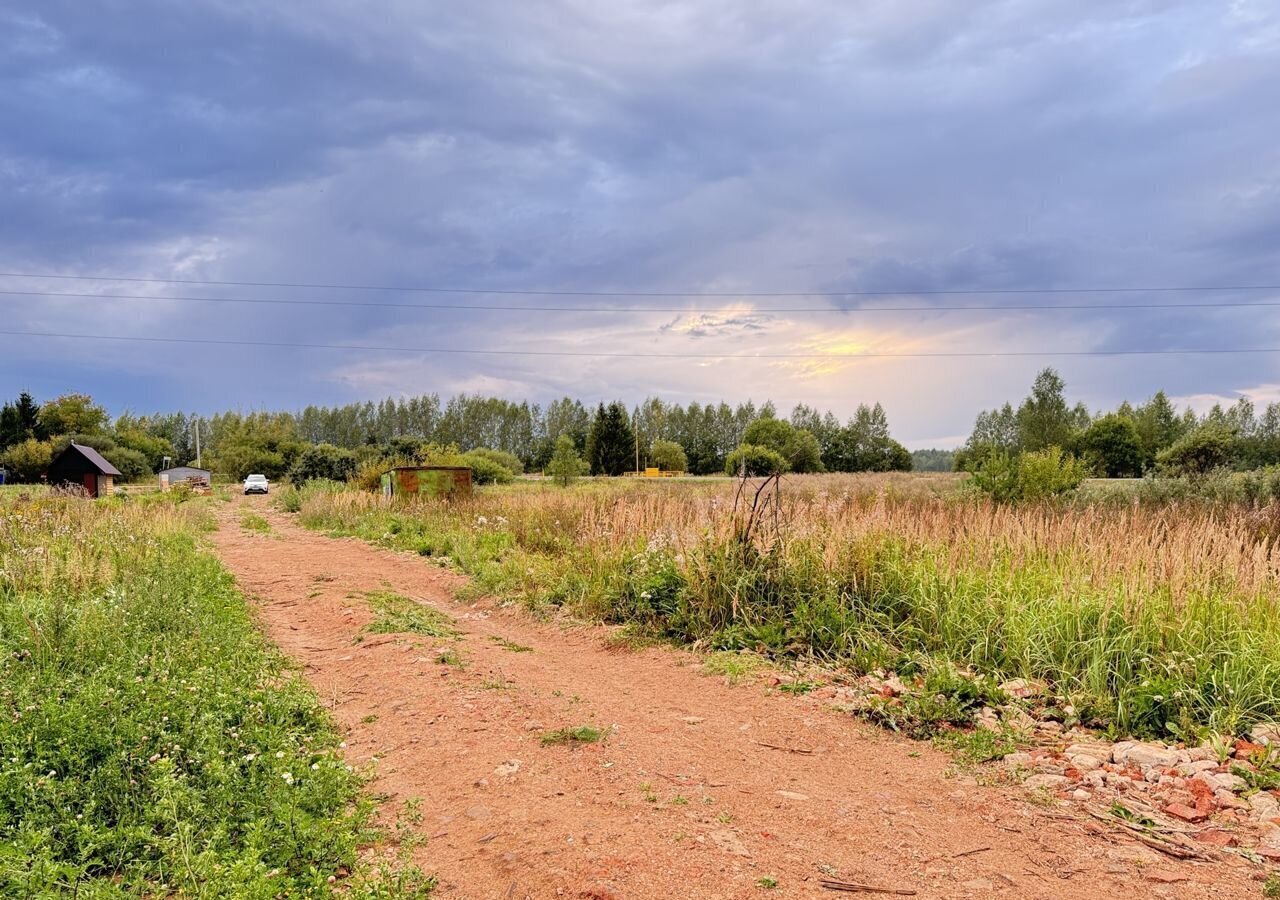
x=184, y=474
x=427, y=481
x=83, y=467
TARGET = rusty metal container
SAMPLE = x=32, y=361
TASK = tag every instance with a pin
x=427, y=481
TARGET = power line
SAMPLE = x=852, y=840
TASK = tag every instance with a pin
x=487, y=307
x=958, y=354
x=1157, y=289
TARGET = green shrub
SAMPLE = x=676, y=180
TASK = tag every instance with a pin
x=322, y=461
x=27, y=460
x=1041, y=475
x=1112, y=445
x=752, y=459
x=132, y=464
x=1049, y=473
x=668, y=456
x=1207, y=448
x=485, y=471
x=508, y=461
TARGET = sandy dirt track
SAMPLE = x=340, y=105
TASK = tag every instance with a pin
x=699, y=790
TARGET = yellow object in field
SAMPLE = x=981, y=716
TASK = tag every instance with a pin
x=652, y=472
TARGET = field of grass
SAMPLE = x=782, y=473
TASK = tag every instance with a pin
x=151, y=742
x=1157, y=619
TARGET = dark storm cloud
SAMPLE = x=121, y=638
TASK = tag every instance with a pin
x=718, y=146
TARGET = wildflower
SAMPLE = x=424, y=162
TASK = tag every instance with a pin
x=288, y=777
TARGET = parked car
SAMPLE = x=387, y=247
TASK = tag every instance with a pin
x=256, y=484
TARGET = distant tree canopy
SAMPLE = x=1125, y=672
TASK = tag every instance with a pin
x=1131, y=440
x=933, y=460
x=500, y=436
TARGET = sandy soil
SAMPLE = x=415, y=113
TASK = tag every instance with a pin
x=701, y=789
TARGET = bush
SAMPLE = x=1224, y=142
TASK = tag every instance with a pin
x=242, y=460
x=323, y=461
x=1112, y=445
x=485, y=471
x=668, y=456
x=1207, y=448
x=27, y=460
x=752, y=459
x=1049, y=473
x=368, y=476
x=508, y=461
x=1029, y=476
x=131, y=463
x=802, y=452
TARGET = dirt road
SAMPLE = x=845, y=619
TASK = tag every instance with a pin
x=699, y=789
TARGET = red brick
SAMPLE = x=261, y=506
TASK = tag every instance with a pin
x=1216, y=837
x=1187, y=813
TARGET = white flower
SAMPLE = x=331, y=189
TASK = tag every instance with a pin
x=288, y=777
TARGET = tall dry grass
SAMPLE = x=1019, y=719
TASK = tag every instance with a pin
x=1152, y=617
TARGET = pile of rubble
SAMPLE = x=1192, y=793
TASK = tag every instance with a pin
x=1210, y=793
x=1200, y=785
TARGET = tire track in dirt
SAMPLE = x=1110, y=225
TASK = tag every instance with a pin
x=684, y=797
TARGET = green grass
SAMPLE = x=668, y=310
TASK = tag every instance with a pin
x=396, y=614
x=733, y=666
x=977, y=746
x=797, y=687
x=583, y=734
x=255, y=523
x=152, y=743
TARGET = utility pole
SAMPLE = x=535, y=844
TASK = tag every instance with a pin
x=198, y=442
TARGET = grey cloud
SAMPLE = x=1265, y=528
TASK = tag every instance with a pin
x=713, y=146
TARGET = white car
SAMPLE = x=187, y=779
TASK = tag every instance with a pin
x=256, y=484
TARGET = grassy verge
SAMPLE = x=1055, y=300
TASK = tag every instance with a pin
x=1156, y=620
x=151, y=742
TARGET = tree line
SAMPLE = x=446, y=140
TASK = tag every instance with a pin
x=609, y=439
x=1152, y=437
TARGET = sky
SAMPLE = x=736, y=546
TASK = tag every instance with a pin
x=726, y=148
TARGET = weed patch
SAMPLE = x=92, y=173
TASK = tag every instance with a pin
x=255, y=523
x=733, y=666
x=583, y=734
x=396, y=614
